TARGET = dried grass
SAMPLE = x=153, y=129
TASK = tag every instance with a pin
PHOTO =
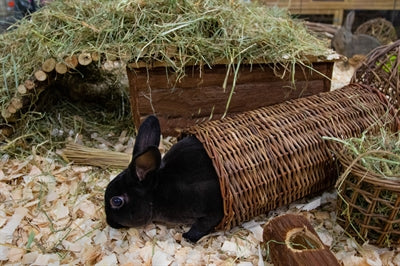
x=90, y=156
x=65, y=121
x=177, y=32
x=379, y=153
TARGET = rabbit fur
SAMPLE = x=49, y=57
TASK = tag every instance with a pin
x=346, y=43
x=182, y=187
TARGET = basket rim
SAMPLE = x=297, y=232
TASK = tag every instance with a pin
x=356, y=168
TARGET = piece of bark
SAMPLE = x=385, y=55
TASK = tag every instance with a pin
x=84, y=59
x=71, y=61
x=49, y=65
x=40, y=75
x=293, y=241
x=61, y=68
x=29, y=84
x=22, y=89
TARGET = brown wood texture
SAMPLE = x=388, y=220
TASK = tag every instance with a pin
x=40, y=75
x=29, y=84
x=200, y=95
x=71, y=61
x=331, y=7
x=293, y=241
x=61, y=68
x=49, y=65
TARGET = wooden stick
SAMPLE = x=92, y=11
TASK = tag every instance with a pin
x=71, y=61
x=49, y=65
x=84, y=59
x=40, y=75
x=61, y=68
x=293, y=241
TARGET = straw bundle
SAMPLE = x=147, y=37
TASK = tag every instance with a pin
x=80, y=154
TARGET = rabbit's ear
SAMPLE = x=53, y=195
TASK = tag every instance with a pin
x=148, y=135
x=146, y=156
x=146, y=162
x=349, y=20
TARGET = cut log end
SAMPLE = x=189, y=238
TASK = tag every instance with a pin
x=5, y=113
x=11, y=109
x=95, y=56
x=29, y=84
x=61, y=68
x=22, y=89
x=71, y=61
x=84, y=59
x=16, y=102
x=40, y=75
x=49, y=65
x=6, y=132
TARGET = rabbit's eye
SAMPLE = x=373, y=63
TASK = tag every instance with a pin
x=117, y=202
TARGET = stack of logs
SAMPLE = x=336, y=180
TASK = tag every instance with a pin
x=49, y=69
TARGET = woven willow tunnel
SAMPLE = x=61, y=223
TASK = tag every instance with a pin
x=272, y=156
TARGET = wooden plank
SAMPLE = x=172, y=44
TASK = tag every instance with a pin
x=200, y=96
x=162, y=77
x=202, y=101
x=345, y=4
x=335, y=8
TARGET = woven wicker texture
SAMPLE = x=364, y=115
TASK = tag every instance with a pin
x=368, y=205
x=380, y=28
x=381, y=70
x=272, y=156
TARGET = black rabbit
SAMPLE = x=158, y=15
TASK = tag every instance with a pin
x=182, y=187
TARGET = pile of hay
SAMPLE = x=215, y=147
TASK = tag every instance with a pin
x=379, y=154
x=177, y=32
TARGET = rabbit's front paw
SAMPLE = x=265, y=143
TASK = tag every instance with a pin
x=193, y=235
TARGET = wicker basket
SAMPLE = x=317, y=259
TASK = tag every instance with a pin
x=380, y=28
x=275, y=155
x=381, y=70
x=368, y=205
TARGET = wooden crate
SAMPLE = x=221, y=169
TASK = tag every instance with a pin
x=199, y=95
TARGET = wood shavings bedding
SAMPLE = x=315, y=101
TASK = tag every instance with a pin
x=52, y=214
